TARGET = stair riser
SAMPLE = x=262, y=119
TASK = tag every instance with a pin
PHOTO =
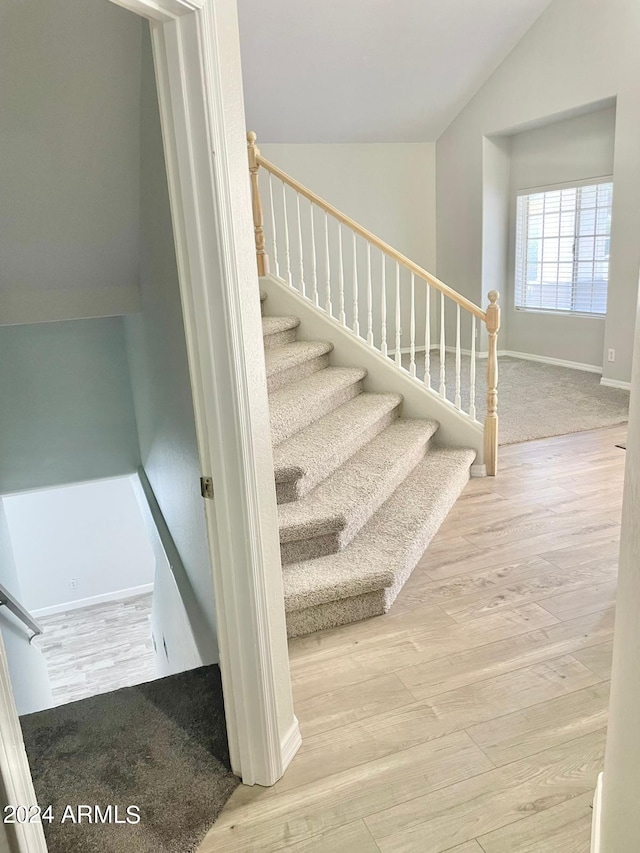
x=303, y=417
x=291, y=490
x=300, y=371
x=330, y=542
x=335, y=613
x=279, y=339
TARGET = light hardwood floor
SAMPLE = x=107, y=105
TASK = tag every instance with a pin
x=97, y=649
x=471, y=718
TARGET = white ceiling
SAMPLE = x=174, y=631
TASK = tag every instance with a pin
x=370, y=70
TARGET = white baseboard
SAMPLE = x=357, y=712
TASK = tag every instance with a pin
x=290, y=744
x=559, y=362
x=118, y=595
x=542, y=359
x=616, y=383
x=478, y=471
x=596, y=817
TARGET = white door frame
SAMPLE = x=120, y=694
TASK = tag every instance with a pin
x=197, y=61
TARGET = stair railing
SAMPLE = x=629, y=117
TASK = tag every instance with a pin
x=311, y=255
x=7, y=600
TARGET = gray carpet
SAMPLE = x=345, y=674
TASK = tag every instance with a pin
x=535, y=400
x=161, y=746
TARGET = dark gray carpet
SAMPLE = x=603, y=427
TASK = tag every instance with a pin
x=161, y=746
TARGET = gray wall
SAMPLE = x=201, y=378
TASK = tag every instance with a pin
x=159, y=367
x=91, y=532
x=571, y=150
x=27, y=668
x=67, y=412
x=576, y=53
x=69, y=160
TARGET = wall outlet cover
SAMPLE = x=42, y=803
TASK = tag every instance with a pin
x=611, y=354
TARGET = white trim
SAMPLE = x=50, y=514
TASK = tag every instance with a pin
x=116, y=595
x=616, y=383
x=558, y=362
x=407, y=350
x=199, y=86
x=291, y=743
x=478, y=470
x=596, y=818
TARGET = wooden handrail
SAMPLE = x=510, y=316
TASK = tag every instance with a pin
x=388, y=250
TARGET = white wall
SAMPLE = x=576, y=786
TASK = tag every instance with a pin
x=69, y=172
x=67, y=411
x=388, y=188
x=27, y=668
x=92, y=533
x=571, y=150
x=577, y=53
x=160, y=373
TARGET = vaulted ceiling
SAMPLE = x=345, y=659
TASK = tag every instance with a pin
x=371, y=70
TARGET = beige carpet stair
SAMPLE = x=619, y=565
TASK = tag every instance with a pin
x=301, y=403
x=361, y=491
x=296, y=360
x=310, y=455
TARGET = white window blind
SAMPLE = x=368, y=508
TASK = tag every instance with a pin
x=562, y=249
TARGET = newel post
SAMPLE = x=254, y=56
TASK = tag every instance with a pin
x=491, y=420
x=258, y=221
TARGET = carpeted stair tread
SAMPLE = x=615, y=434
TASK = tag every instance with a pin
x=387, y=548
x=295, y=360
x=296, y=405
x=306, y=458
x=271, y=325
x=346, y=499
x=277, y=331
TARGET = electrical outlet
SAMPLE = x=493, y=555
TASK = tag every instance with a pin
x=611, y=354
x=73, y=583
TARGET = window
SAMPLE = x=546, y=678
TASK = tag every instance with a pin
x=562, y=249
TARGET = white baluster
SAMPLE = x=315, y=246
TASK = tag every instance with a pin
x=427, y=340
x=356, y=307
x=342, y=316
x=369, y=299
x=300, y=252
x=472, y=370
x=273, y=227
x=383, y=307
x=328, y=307
x=412, y=329
x=456, y=399
x=287, y=253
x=398, y=319
x=443, y=350
x=314, y=271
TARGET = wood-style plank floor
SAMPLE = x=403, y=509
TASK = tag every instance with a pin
x=471, y=718
x=98, y=649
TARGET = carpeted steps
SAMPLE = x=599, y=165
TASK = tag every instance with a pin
x=361, y=491
x=301, y=462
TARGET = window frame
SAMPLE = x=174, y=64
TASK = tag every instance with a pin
x=520, y=251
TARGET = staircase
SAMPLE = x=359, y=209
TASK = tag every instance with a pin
x=361, y=490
